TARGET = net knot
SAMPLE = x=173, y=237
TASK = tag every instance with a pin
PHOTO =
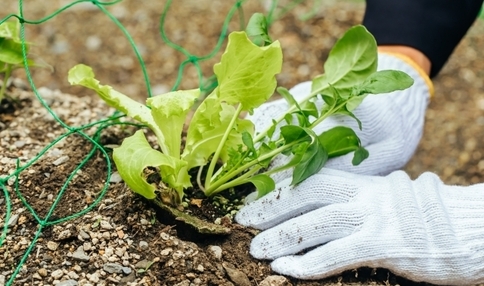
x=193, y=59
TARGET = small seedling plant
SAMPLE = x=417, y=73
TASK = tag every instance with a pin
x=220, y=145
x=11, y=54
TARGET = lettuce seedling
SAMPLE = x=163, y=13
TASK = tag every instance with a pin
x=11, y=55
x=221, y=144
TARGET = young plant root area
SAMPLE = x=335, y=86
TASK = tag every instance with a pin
x=123, y=240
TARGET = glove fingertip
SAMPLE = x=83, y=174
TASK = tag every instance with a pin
x=288, y=265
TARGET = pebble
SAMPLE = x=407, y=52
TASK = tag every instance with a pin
x=128, y=279
x=13, y=220
x=93, y=43
x=42, y=272
x=106, y=235
x=216, y=251
x=238, y=277
x=69, y=282
x=83, y=235
x=73, y=275
x=178, y=254
x=200, y=268
x=120, y=251
x=86, y=246
x=79, y=254
x=51, y=245
x=57, y=274
x=143, y=245
x=126, y=270
x=185, y=282
x=275, y=280
x=113, y=268
x=36, y=276
x=115, y=178
x=166, y=251
x=61, y=160
x=19, y=143
x=93, y=277
x=65, y=234
x=106, y=225
x=164, y=236
x=143, y=264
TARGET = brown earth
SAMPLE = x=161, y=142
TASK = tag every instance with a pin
x=121, y=228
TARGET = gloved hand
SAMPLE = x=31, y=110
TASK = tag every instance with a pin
x=392, y=124
x=422, y=230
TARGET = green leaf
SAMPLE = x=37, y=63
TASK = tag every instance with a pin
x=384, y=82
x=297, y=154
x=328, y=99
x=248, y=141
x=284, y=92
x=246, y=73
x=302, y=119
x=265, y=149
x=351, y=60
x=309, y=109
x=257, y=30
x=354, y=102
x=272, y=129
x=292, y=133
x=339, y=141
x=312, y=160
x=360, y=155
x=304, y=110
x=345, y=111
x=133, y=156
x=208, y=125
x=10, y=30
x=288, y=118
x=175, y=174
x=169, y=112
x=10, y=52
x=263, y=183
x=84, y=76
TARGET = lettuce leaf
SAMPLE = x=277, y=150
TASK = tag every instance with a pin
x=246, y=72
x=135, y=154
x=169, y=112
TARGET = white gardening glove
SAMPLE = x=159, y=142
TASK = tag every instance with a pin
x=392, y=123
x=422, y=230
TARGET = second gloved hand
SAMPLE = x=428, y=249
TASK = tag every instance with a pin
x=392, y=124
x=422, y=230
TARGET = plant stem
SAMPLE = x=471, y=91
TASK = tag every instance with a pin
x=221, y=169
x=263, y=134
x=236, y=182
x=215, y=185
x=199, y=181
x=327, y=114
x=215, y=157
x=8, y=72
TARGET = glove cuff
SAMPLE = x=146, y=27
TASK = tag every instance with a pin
x=420, y=71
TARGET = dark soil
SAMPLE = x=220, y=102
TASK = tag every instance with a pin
x=450, y=146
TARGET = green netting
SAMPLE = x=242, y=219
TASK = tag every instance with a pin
x=275, y=11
